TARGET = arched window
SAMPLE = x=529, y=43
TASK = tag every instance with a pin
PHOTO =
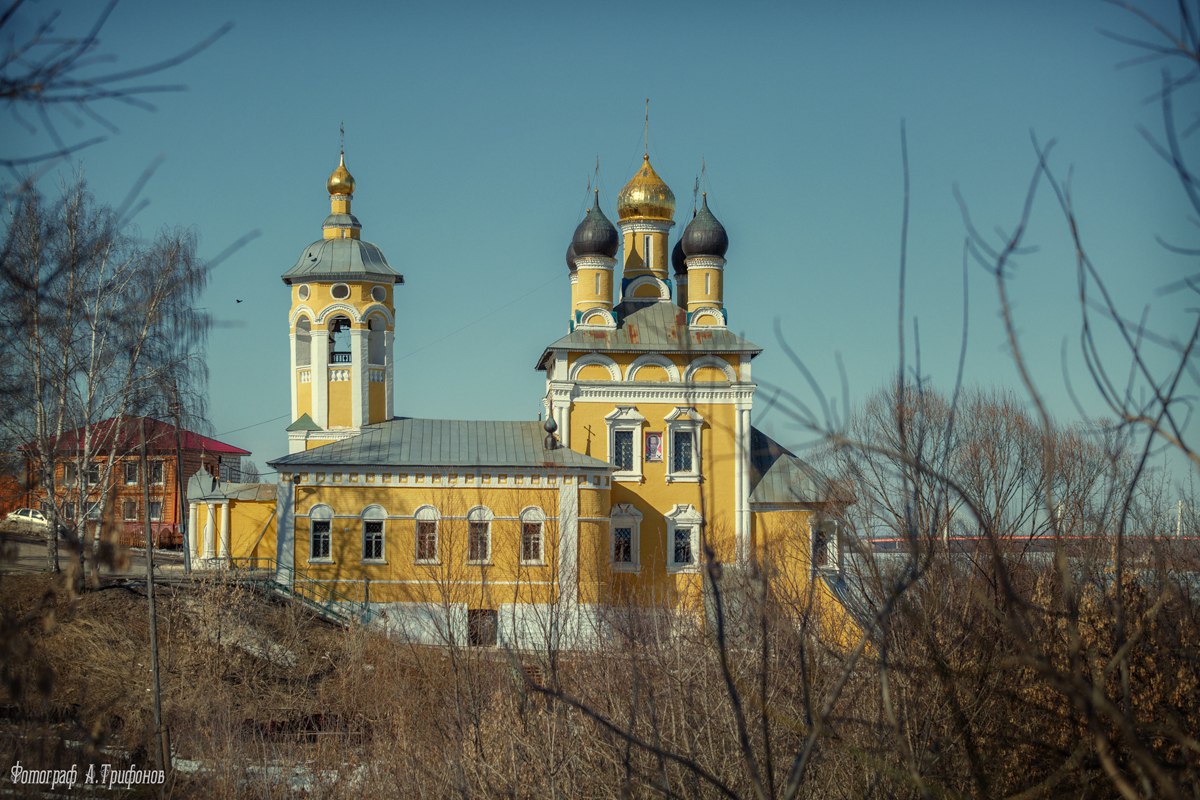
x=320, y=534
x=376, y=327
x=339, y=340
x=533, y=544
x=683, y=538
x=372, y=533
x=479, y=535
x=303, y=342
x=426, y=535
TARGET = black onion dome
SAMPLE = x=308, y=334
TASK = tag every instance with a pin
x=705, y=236
x=571, y=257
x=595, y=236
x=677, y=258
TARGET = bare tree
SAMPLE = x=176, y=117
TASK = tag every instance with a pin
x=103, y=326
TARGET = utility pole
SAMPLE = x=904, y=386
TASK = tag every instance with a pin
x=181, y=499
x=160, y=737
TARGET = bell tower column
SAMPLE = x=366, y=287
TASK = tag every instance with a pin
x=320, y=376
x=389, y=371
x=360, y=397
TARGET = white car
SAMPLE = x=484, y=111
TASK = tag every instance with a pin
x=26, y=520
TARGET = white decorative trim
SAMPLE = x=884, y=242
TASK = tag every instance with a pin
x=709, y=361
x=675, y=394
x=664, y=291
x=533, y=514
x=656, y=360
x=717, y=315
x=299, y=311
x=480, y=514
x=614, y=371
x=683, y=515
x=609, y=320
x=820, y=526
x=645, y=225
x=624, y=512
x=382, y=310
x=427, y=513
x=625, y=418
x=334, y=308
x=683, y=420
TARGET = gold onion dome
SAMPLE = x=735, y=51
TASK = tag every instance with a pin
x=341, y=181
x=646, y=196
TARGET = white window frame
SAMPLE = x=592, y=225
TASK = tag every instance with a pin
x=625, y=515
x=480, y=514
x=426, y=514
x=626, y=418
x=683, y=515
x=125, y=506
x=153, y=516
x=819, y=524
x=157, y=472
x=684, y=420
x=131, y=466
x=323, y=514
x=647, y=249
x=374, y=513
x=533, y=516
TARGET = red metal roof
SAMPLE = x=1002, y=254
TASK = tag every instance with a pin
x=123, y=434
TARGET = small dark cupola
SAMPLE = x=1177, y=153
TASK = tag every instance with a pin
x=677, y=259
x=705, y=236
x=595, y=236
x=571, y=267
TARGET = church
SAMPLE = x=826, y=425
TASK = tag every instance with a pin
x=531, y=533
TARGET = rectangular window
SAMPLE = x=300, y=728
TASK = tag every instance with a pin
x=820, y=554
x=93, y=512
x=319, y=540
x=623, y=445
x=129, y=511
x=481, y=627
x=69, y=509
x=622, y=545
x=597, y=284
x=155, y=510
x=373, y=540
x=478, y=544
x=531, y=541
x=683, y=546
x=70, y=474
x=427, y=540
x=131, y=472
x=156, y=472
x=93, y=474
x=707, y=283
x=646, y=250
x=681, y=451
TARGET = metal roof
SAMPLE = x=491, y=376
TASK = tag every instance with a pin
x=304, y=423
x=409, y=442
x=342, y=259
x=660, y=327
x=779, y=477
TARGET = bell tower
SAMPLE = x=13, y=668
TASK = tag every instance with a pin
x=342, y=324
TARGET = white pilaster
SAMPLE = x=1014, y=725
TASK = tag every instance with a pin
x=225, y=535
x=389, y=375
x=295, y=381
x=568, y=563
x=320, y=377
x=192, y=542
x=285, y=527
x=359, y=397
x=209, y=550
x=742, y=523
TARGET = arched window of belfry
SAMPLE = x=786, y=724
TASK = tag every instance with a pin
x=376, y=326
x=339, y=340
x=303, y=342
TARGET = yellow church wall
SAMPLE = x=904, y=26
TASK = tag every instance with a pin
x=252, y=529
x=709, y=375
x=635, y=253
x=593, y=372
x=587, y=295
x=377, y=401
x=781, y=543
x=340, y=410
x=400, y=578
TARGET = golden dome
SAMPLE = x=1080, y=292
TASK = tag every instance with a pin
x=341, y=181
x=646, y=196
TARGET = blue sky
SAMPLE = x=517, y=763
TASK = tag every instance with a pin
x=473, y=128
